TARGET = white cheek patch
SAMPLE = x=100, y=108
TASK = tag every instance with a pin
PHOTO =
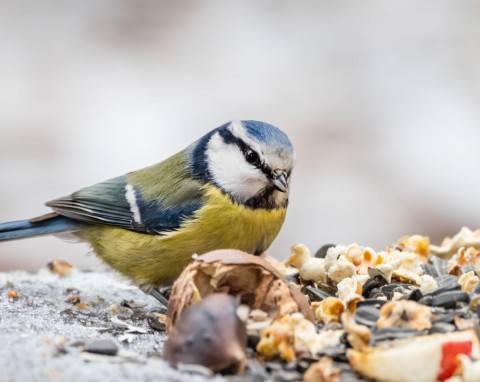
x=132, y=200
x=230, y=171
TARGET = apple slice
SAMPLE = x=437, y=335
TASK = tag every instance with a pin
x=421, y=359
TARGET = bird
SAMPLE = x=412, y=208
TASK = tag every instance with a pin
x=228, y=189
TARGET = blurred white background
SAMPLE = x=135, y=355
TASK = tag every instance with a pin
x=380, y=99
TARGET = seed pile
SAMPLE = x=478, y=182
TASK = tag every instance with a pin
x=409, y=312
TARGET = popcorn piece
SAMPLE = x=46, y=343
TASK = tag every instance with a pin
x=310, y=268
x=406, y=266
x=427, y=284
x=276, y=341
x=468, y=281
x=347, y=287
x=361, y=257
x=314, y=270
x=464, y=256
x=355, y=254
x=341, y=269
x=416, y=244
x=300, y=255
x=387, y=270
x=362, y=279
x=405, y=314
x=291, y=336
x=329, y=310
x=465, y=238
x=411, y=262
x=350, y=291
x=333, y=254
x=406, y=276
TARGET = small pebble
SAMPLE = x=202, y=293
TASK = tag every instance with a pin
x=157, y=321
x=73, y=299
x=104, y=346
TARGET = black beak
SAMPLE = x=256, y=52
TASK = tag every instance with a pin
x=280, y=180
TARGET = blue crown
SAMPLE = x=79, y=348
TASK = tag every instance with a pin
x=268, y=134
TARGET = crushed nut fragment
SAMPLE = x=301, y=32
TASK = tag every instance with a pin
x=405, y=314
x=323, y=371
x=61, y=267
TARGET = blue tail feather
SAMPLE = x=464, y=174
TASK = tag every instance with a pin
x=25, y=228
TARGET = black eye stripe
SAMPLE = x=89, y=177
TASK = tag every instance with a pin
x=231, y=139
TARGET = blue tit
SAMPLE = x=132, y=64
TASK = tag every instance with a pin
x=229, y=189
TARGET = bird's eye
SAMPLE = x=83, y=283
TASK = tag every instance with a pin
x=251, y=157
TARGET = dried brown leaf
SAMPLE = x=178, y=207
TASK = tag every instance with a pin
x=252, y=279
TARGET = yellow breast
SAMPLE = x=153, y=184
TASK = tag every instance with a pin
x=221, y=223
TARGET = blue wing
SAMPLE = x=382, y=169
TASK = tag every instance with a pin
x=153, y=200
x=119, y=203
x=102, y=203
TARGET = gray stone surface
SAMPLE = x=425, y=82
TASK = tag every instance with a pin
x=42, y=333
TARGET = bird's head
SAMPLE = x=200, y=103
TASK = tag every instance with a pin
x=249, y=160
